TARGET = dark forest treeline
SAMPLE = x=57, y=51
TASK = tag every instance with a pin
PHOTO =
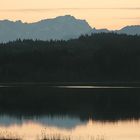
x=98, y=57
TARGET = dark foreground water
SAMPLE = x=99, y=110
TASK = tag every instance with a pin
x=70, y=112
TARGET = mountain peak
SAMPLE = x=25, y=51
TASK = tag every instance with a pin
x=59, y=28
x=66, y=17
x=18, y=21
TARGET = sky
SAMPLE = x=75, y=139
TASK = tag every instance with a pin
x=111, y=14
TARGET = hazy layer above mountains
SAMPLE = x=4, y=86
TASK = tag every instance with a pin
x=59, y=28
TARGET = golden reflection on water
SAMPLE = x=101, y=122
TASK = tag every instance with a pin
x=92, y=130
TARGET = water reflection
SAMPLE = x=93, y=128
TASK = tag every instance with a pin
x=98, y=87
x=68, y=128
x=59, y=121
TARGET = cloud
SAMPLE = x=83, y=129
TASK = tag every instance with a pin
x=57, y=9
x=130, y=18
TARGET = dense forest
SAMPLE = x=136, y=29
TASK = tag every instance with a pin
x=90, y=58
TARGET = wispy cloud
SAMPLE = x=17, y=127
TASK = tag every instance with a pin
x=60, y=9
x=130, y=18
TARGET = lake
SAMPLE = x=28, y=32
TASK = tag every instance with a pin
x=65, y=127
x=70, y=112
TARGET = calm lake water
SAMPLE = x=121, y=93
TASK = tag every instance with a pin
x=70, y=113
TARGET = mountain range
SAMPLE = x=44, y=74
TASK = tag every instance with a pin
x=59, y=28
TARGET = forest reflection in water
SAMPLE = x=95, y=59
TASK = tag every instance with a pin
x=74, y=113
x=102, y=103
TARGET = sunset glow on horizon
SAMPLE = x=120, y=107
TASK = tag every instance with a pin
x=111, y=14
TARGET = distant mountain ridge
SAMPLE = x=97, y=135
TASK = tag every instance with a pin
x=63, y=27
x=59, y=28
x=130, y=30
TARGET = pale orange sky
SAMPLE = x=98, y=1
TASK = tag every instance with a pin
x=111, y=14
